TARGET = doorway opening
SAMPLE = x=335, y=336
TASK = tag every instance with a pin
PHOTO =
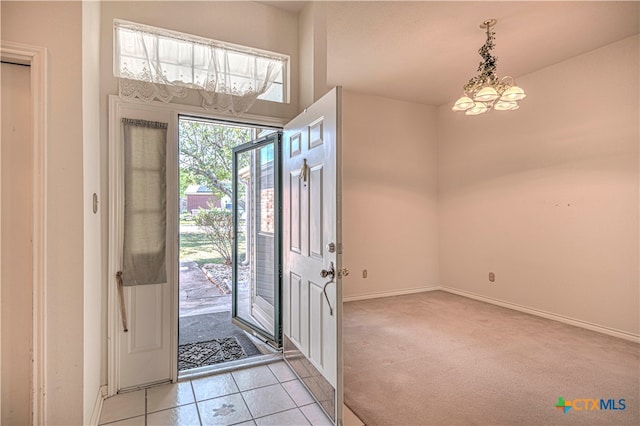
x=206, y=335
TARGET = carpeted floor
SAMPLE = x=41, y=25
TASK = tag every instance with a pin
x=205, y=327
x=440, y=359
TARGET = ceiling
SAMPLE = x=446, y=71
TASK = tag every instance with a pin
x=424, y=51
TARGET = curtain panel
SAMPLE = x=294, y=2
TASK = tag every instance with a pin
x=153, y=63
x=145, y=202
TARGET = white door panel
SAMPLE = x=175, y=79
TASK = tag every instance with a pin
x=311, y=220
x=145, y=350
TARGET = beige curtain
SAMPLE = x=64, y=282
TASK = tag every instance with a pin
x=145, y=202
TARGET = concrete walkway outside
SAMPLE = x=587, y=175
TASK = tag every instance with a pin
x=198, y=295
x=205, y=310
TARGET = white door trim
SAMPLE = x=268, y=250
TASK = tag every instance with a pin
x=36, y=58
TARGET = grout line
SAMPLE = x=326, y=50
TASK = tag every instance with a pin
x=317, y=404
x=304, y=415
x=291, y=396
x=145, y=406
x=233, y=393
x=295, y=406
x=193, y=391
x=284, y=380
x=243, y=400
x=281, y=411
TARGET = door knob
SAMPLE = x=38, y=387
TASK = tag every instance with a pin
x=331, y=272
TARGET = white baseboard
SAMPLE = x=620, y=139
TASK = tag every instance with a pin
x=379, y=294
x=97, y=406
x=544, y=314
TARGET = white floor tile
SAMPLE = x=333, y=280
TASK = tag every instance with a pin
x=226, y=410
x=267, y=400
x=169, y=396
x=298, y=392
x=286, y=418
x=185, y=415
x=214, y=386
x=134, y=421
x=123, y=406
x=251, y=378
x=282, y=371
x=315, y=415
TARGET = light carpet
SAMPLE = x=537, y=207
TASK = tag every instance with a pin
x=441, y=359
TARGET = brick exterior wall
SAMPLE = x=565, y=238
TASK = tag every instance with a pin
x=196, y=201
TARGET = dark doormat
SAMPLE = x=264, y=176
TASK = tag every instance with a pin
x=199, y=354
x=206, y=327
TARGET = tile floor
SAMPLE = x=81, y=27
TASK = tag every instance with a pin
x=263, y=395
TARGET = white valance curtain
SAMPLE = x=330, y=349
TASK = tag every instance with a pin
x=153, y=63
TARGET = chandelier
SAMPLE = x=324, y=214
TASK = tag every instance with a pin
x=486, y=91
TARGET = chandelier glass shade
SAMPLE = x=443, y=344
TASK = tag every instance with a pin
x=486, y=91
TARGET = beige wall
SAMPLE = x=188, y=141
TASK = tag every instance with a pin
x=16, y=194
x=546, y=197
x=312, y=50
x=390, y=222
x=94, y=341
x=58, y=27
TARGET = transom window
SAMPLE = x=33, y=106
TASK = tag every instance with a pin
x=170, y=58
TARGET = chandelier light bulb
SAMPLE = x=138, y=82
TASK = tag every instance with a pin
x=505, y=105
x=513, y=93
x=463, y=104
x=486, y=94
x=477, y=109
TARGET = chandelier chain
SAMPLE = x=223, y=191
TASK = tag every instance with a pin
x=488, y=66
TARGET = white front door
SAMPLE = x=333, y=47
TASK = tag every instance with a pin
x=312, y=303
x=146, y=352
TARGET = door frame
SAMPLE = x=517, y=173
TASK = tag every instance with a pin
x=36, y=58
x=113, y=313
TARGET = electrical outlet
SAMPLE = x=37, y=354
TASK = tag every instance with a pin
x=364, y=273
x=492, y=277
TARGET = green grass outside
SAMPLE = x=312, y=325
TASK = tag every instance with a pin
x=195, y=246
